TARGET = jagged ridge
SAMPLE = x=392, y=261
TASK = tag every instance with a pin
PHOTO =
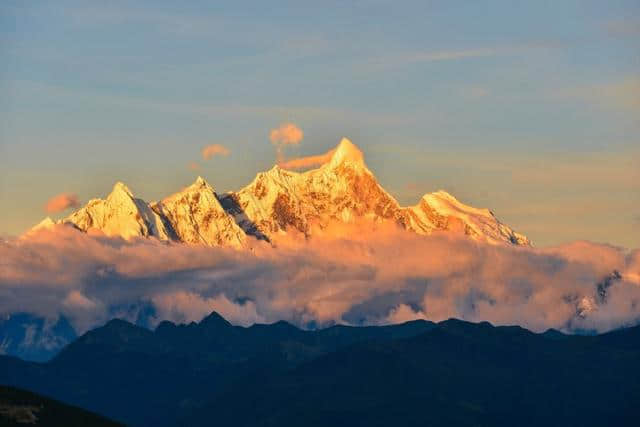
x=278, y=201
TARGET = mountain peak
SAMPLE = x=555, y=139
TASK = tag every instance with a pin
x=214, y=320
x=346, y=151
x=195, y=215
x=444, y=201
x=45, y=224
x=441, y=210
x=201, y=183
x=120, y=189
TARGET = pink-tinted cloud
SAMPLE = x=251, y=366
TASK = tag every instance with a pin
x=403, y=313
x=183, y=306
x=286, y=134
x=61, y=202
x=283, y=135
x=359, y=273
x=307, y=162
x=214, y=150
x=194, y=166
x=75, y=299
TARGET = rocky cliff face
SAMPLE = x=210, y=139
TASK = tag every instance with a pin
x=120, y=214
x=341, y=190
x=196, y=216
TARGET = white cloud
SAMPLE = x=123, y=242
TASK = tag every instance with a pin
x=368, y=273
x=61, y=202
x=283, y=135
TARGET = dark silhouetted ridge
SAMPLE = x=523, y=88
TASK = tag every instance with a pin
x=452, y=373
x=24, y=408
x=214, y=320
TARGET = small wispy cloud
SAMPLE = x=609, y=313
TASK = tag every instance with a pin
x=410, y=58
x=623, y=94
x=450, y=55
x=307, y=161
x=61, y=202
x=286, y=134
x=283, y=135
x=214, y=150
x=194, y=166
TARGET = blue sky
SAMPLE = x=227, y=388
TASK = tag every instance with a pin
x=528, y=108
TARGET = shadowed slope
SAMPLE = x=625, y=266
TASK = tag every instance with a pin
x=416, y=373
x=145, y=377
x=456, y=374
x=20, y=408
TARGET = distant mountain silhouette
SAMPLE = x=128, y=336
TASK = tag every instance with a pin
x=33, y=338
x=417, y=373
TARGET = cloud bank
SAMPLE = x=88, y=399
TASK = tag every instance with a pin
x=61, y=202
x=356, y=274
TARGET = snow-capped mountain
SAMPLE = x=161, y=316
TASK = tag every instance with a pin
x=196, y=216
x=32, y=337
x=345, y=189
x=442, y=211
x=341, y=190
x=120, y=214
x=278, y=201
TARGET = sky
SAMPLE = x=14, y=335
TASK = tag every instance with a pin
x=528, y=108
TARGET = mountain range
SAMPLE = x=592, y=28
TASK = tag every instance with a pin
x=32, y=337
x=277, y=201
x=452, y=373
x=36, y=338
